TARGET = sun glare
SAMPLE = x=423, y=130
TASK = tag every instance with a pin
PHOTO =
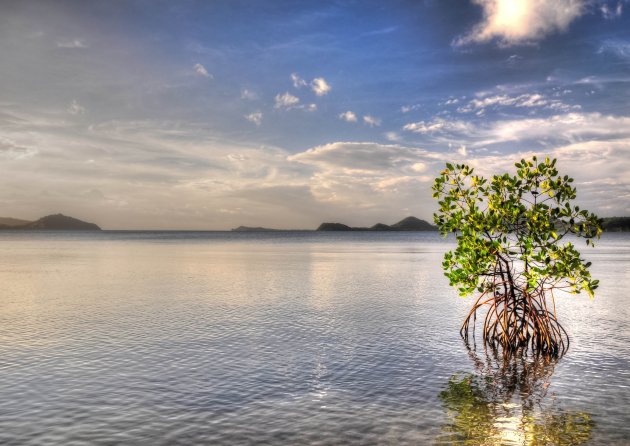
x=511, y=15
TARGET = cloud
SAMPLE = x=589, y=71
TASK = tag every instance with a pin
x=527, y=100
x=75, y=43
x=165, y=174
x=556, y=130
x=419, y=167
x=603, y=187
x=378, y=32
x=392, y=136
x=298, y=82
x=320, y=86
x=619, y=48
x=13, y=151
x=180, y=172
x=408, y=108
x=372, y=179
x=286, y=101
x=348, y=116
x=439, y=125
x=610, y=13
x=305, y=107
x=201, y=71
x=361, y=156
x=515, y=22
x=372, y=121
x=365, y=174
x=75, y=108
x=248, y=95
x=511, y=135
x=600, y=81
x=255, y=117
x=513, y=60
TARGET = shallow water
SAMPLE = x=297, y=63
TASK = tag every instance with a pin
x=286, y=338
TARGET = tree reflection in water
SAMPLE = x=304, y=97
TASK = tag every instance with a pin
x=505, y=403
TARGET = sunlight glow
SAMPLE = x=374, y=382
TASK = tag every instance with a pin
x=511, y=13
x=509, y=430
x=510, y=18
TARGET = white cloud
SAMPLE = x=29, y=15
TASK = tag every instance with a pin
x=365, y=175
x=255, y=117
x=527, y=100
x=372, y=121
x=438, y=125
x=522, y=21
x=348, y=116
x=511, y=134
x=201, y=71
x=599, y=81
x=75, y=108
x=248, y=95
x=148, y=178
x=286, y=100
x=11, y=150
x=610, y=13
x=74, y=43
x=320, y=86
x=619, y=48
x=513, y=60
x=377, y=32
x=306, y=107
x=374, y=180
x=178, y=182
x=364, y=156
x=567, y=128
x=419, y=167
x=298, y=82
x=408, y=108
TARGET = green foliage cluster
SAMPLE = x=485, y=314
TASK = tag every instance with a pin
x=513, y=248
x=514, y=218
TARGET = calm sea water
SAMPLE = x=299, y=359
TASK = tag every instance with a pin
x=287, y=338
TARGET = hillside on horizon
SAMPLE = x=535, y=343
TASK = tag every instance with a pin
x=54, y=222
x=12, y=222
x=406, y=224
x=60, y=222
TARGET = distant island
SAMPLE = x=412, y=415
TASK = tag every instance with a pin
x=406, y=224
x=56, y=222
x=616, y=224
x=610, y=224
x=254, y=229
x=60, y=222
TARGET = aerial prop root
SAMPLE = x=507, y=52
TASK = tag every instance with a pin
x=517, y=321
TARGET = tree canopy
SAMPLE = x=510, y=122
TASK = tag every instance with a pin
x=515, y=245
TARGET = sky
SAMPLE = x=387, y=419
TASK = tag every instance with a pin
x=146, y=114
